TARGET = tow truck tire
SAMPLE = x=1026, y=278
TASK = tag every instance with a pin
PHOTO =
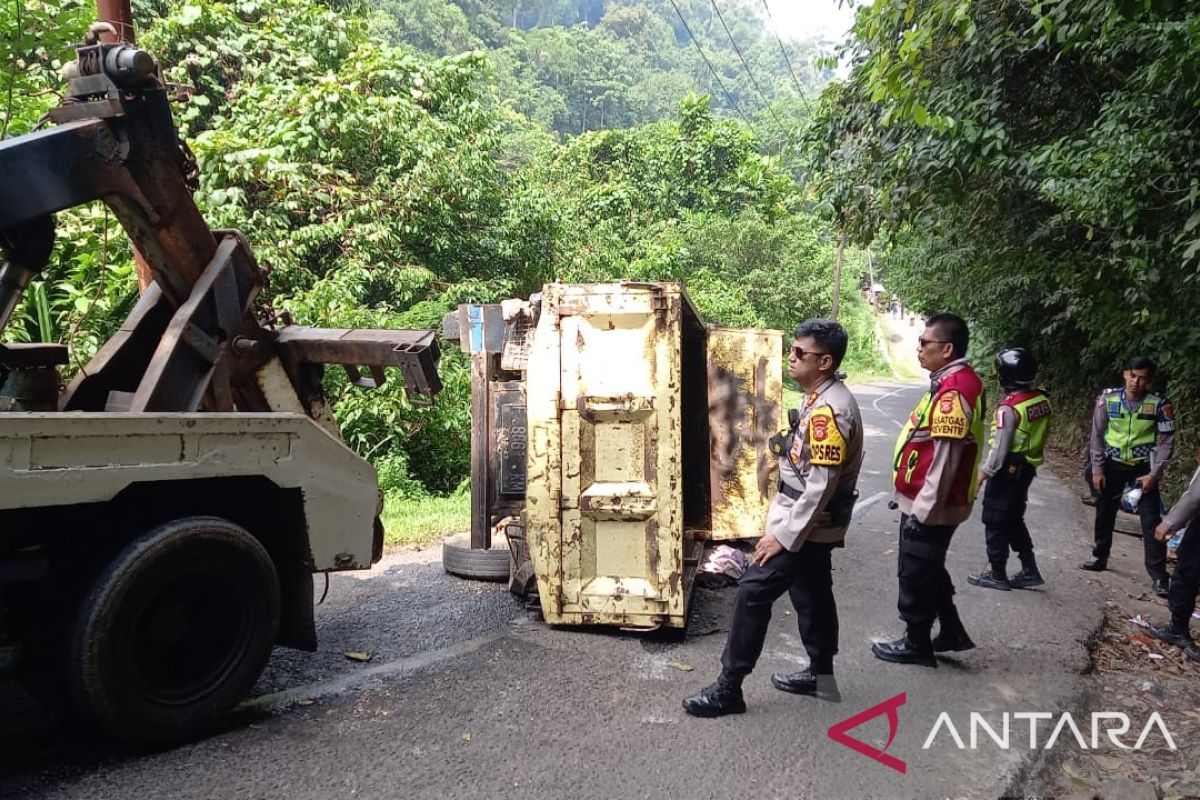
x=460, y=559
x=173, y=632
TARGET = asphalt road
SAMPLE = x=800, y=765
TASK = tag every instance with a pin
x=469, y=694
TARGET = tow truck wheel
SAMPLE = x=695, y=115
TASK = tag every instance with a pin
x=174, y=631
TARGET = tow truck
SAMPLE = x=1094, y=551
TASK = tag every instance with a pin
x=163, y=512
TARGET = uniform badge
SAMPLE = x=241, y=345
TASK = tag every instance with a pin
x=826, y=445
x=949, y=419
x=797, y=451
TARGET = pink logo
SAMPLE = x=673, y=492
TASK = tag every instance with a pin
x=839, y=735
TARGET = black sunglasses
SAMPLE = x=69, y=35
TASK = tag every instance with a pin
x=800, y=352
x=924, y=342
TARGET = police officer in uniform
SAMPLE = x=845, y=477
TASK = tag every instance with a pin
x=819, y=461
x=1018, y=439
x=1185, y=583
x=934, y=473
x=1133, y=437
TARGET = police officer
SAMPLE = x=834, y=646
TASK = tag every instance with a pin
x=1018, y=439
x=1185, y=583
x=934, y=474
x=819, y=461
x=1133, y=437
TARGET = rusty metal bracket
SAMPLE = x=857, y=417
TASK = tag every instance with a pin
x=354, y=373
x=188, y=358
x=27, y=355
x=416, y=353
x=92, y=109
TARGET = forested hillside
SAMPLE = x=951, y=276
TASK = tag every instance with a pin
x=390, y=161
x=578, y=65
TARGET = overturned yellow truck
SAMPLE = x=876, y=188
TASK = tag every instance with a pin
x=647, y=435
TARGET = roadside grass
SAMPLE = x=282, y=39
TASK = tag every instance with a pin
x=898, y=342
x=421, y=520
x=865, y=357
x=904, y=364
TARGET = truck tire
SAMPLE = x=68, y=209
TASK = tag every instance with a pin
x=173, y=632
x=459, y=559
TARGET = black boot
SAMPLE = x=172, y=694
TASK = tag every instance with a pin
x=952, y=635
x=990, y=578
x=1029, y=576
x=952, y=641
x=1162, y=586
x=1094, y=564
x=905, y=651
x=1178, y=635
x=823, y=687
x=723, y=697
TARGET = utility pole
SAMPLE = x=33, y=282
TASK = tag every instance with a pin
x=116, y=13
x=119, y=14
x=837, y=274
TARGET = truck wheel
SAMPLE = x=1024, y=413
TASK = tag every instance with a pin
x=459, y=559
x=174, y=631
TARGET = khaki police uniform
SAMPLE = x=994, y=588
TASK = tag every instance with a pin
x=819, y=463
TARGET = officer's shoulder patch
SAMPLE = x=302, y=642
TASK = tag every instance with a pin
x=826, y=445
x=949, y=420
x=1002, y=411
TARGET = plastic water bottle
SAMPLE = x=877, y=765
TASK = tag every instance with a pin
x=1131, y=497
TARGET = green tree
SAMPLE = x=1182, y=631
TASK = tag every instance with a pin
x=1032, y=165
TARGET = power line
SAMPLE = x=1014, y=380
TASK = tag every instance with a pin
x=742, y=58
x=788, y=60
x=717, y=77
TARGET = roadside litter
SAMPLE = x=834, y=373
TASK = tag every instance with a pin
x=722, y=566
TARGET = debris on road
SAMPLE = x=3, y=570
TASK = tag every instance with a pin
x=1140, y=675
x=722, y=565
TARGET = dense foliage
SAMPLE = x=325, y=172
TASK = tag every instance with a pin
x=1033, y=166
x=84, y=293
x=390, y=162
x=579, y=65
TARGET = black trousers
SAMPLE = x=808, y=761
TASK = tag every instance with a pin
x=806, y=576
x=1116, y=477
x=926, y=591
x=1185, y=583
x=1005, y=498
